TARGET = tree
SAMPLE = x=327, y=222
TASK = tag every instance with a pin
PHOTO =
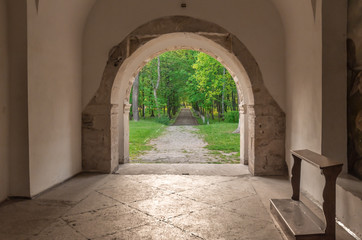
x=135, y=93
x=188, y=78
x=155, y=86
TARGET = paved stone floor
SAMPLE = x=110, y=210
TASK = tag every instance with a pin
x=148, y=206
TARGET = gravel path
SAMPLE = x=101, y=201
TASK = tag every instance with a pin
x=178, y=144
x=185, y=118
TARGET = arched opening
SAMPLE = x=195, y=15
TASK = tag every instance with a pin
x=104, y=120
x=208, y=90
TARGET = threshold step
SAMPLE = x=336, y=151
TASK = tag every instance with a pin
x=297, y=220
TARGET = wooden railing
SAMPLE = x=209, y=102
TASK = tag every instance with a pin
x=298, y=221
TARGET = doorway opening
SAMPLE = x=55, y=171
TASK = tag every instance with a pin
x=104, y=119
x=184, y=109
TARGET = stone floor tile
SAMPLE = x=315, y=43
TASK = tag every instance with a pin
x=30, y=216
x=164, y=207
x=271, y=187
x=156, y=231
x=179, y=183
x=107, y=221
x=6, y=236
x=117, y=180
x=216, y=223
x=249, y=206
x=76, y=188
x=133, y=192
x=59, y=230
x=130, y=207
x=221, y=192
x=199, y=169
x=93, y=202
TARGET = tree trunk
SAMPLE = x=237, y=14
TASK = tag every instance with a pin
x=238, y=129
x=212, y=111
x=233, y=101
x=155, y=87
x=143, y=111
x=168, y=108
x=223, y=95
x=135, y=99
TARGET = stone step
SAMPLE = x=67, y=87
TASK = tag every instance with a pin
x=297, y=220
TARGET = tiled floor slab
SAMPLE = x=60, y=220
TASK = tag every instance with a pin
x=155, y=231
x=133, y=192
x=222, y=192
x=95, y=201
x=179, y=169
x=216, y=223
x=30, y=217
x=250, y=206
x=107, y=221
x=76, y=188
x=92, y=206
x=164, y=207
x=179, y=183
x=59, y=230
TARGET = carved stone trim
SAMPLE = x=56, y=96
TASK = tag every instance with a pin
x=126, y=107
x=266, y=152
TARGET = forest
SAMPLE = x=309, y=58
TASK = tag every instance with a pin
x=184, y=78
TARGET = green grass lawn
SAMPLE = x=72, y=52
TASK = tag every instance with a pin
x=221, y=140
x=140, y=133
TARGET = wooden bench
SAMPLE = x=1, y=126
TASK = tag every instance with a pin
x=295, y=219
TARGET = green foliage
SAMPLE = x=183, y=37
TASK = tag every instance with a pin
x=141, y=133
x=163, y=119
x=188, y=78
x=232, y=117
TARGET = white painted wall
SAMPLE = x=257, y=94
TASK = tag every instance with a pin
x=55, y=34
x=315, y=83
x=4, y=104
x=255, y=23
x=303, y=84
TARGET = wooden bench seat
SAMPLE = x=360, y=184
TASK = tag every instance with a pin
x=295, y=219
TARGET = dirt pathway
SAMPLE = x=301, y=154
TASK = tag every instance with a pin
x=179, y=143
x=185, y=118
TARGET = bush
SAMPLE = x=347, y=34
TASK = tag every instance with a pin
x=163, y=119
x=231, y=117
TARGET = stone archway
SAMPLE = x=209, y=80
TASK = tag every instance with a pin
x=102, y=121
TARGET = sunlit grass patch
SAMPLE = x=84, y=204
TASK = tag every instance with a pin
x=221, y=140
x=140, y=133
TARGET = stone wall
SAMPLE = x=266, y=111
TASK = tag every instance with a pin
x=267, y=139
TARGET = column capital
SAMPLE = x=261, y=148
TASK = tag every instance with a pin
x=126, y=107
x=242, y=108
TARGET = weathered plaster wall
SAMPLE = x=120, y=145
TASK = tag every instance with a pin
x=55, y=32
x=4, y=104
x=303, y=36
x=355, y=88
x=316, y=84
x=111, y=20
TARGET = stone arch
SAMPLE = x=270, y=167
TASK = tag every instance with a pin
x=265, y=120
